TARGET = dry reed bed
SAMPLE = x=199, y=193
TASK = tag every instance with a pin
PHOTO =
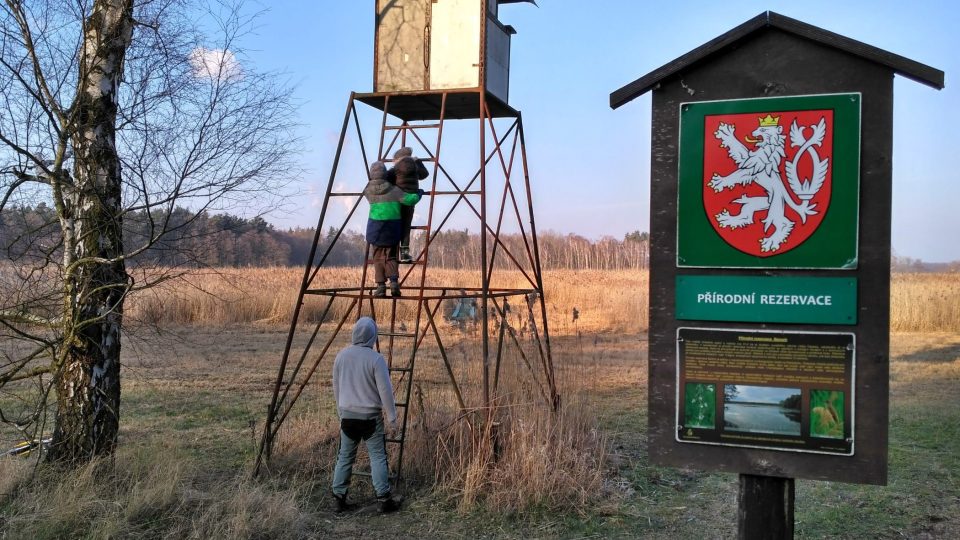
x=607, y=301
x=925, y=302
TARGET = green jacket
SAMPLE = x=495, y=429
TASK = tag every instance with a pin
x=384, y=226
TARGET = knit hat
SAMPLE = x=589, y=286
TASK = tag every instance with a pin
x=406, y=151
x=378, y=170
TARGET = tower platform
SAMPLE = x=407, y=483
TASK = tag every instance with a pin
x=428, y=105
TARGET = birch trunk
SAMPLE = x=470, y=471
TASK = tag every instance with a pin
x=95, y=281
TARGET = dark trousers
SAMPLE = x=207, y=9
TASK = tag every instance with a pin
x=385, y=263
x=406, y=214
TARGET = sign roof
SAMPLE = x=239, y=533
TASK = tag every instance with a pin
x=901, y=65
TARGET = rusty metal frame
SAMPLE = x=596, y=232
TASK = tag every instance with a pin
x=501, y=154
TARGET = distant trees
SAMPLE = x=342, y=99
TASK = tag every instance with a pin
x=459, y=249
x=791, y=402
x=212, y=240
x=905, y=264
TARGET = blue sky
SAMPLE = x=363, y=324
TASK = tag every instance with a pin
x=763, y=394
x=567, y=58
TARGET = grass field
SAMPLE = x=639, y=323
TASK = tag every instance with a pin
x=195, y=394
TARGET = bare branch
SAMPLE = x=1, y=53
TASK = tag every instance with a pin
x=22, y=317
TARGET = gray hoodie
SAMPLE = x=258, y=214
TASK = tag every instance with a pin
x=361, y=381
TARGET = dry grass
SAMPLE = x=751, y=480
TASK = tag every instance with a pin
x=150, y=494
x=181, y=469
x=925, y=302
x=607, y=301
x=186, y=446
x=523, y=455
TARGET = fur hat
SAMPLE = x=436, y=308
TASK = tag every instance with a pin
x=406, y=151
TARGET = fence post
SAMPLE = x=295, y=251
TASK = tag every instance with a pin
x=765, y=508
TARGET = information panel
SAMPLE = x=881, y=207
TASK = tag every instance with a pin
x=766, y=389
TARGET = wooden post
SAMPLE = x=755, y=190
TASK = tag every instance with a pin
x=765, y=508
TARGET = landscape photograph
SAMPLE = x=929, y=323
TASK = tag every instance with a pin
x=759, y=409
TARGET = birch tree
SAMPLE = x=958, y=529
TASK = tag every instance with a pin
x=111, y=107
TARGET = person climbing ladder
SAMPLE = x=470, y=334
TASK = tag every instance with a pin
x=406, y=174
x=385, y=226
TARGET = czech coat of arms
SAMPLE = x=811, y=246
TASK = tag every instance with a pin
x=766, y=191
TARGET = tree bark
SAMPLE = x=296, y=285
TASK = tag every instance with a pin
x=96, y=281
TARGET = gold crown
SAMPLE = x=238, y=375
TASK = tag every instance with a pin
x=769, y=121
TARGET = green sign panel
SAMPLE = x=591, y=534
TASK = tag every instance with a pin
x=810, y=300
x=769, y=183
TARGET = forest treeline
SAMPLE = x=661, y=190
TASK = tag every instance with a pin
x=28, y=233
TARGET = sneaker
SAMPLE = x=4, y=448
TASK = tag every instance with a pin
x=395, y=290
x=388, y=504
x=380, y=291
x=405, y=255
x=341, y=503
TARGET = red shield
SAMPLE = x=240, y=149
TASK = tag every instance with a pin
x=754, y=236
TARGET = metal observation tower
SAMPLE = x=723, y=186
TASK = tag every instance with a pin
x=440, y=66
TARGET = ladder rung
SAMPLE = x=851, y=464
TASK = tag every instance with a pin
x=418, y=227
x=401, y=404
x=396, y=334
x=404, y=369
x=410, y=126
x=371, y=261
x=400, y=440
x=391, y=160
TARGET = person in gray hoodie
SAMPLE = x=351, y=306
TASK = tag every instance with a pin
x=363, y=391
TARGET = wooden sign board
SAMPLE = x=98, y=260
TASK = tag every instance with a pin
x=770, y=252
x=862, y=255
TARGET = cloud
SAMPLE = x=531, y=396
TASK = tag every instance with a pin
x=345, y=202
x=215, y=64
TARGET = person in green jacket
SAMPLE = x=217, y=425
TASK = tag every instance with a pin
x=385, y=226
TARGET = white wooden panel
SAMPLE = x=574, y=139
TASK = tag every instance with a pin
x=401, y=36
x=455, y=44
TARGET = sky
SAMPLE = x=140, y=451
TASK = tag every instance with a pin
x=567, y=57
x=763, y=394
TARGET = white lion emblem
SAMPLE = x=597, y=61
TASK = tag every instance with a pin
x=763, y=167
